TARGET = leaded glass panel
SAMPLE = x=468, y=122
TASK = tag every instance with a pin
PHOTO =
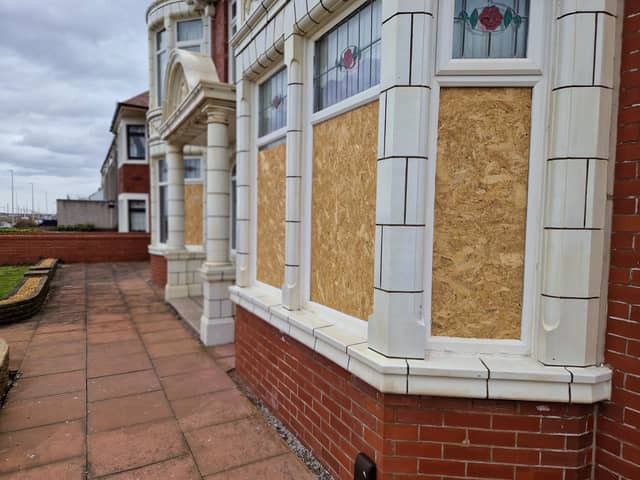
x=273, y=103
x=347, y=58
x=490, y=29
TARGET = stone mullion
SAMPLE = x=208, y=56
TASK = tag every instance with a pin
x=576, y=183
x=243, y=184
x=292, y=288
x=175, y=193
x=397, y=327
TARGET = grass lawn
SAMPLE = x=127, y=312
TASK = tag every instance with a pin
x=9, y=277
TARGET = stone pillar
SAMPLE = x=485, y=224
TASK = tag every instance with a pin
x=243, y=184
x=291, y=290
x=175, y=254
x=216, y=323
x=397, y=327
x=175, y=168
x=575, y=215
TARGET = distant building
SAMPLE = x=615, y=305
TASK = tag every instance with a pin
x=125, y=171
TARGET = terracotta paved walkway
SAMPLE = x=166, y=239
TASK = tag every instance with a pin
x=114, y=386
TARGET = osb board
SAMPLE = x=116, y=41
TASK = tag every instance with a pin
x=193, y=214
x=480, y=212
x=343, y=211
x=271, y=211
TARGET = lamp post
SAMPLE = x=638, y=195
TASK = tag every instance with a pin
x=12, y=197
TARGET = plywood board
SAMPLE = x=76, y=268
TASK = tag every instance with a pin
x=480, y=212
x=271, y=214
x=193, y=204
x=344, y=211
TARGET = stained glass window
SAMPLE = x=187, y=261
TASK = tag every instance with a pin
x=273, y=103
x=192, y=169
x=490, y=29
x=347, y=58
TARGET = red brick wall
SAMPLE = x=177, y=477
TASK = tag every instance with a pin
x=410, y=437
x=133, y=178
x=73, y=247
x=618, y=439
x=158, y=270
x=219, y=44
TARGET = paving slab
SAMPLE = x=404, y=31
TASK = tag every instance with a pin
x=118, y=388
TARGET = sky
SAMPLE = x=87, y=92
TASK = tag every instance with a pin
x=64, y=64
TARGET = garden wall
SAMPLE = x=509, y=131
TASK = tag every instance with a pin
x=73, y=247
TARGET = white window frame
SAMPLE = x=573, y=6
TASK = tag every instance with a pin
x=531, y=65
x=160, y=184
x=467, y=76
x=311, y=119
x=190, y=43
x=160, y=81
x=257, y=143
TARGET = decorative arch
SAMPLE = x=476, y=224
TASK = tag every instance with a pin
x=185, y=71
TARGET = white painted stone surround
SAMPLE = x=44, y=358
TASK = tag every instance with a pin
x=388, y=352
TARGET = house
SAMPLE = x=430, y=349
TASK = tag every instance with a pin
x=415, y=206
x=125, y=171
x=122, y=201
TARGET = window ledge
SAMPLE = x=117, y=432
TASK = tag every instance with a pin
x=447, y=375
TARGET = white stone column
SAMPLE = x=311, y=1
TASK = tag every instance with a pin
x=175, y=192
x=291, y=290
x=243, y=184
x=397, y=327
x=216, y=323
x=576, y=183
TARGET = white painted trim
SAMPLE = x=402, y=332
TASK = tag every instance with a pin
x=536, y=46
x=272, y=137
x=123, y=207
x=346, y=105
x=448, y=375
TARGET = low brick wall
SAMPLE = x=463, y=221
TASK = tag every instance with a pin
x=158, y=270
x=336, y=415
x=73, y=247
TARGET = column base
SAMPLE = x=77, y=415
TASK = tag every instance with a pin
x=217, y=331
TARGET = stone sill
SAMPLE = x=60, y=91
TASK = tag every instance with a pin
x=443, y=374
x=177, y=254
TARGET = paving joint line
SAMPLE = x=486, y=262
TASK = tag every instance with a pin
x=164, y=393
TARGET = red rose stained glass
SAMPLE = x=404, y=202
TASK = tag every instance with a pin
x=349, y=58
x=490, y=18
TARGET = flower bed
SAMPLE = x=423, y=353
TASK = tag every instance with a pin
x=27, y=298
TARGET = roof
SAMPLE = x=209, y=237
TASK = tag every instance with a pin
x=140, y=101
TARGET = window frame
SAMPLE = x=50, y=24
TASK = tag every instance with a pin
x=129, y=211
x=158, y=52
x=532, y=64
x=162, y=184
x=144, y=139
x=501, y=75
x=278, y=132
x=310, y=119
x=187, y=44
x=344, y=104
x=258, y=142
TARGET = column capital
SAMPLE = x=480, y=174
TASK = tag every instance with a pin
x=216, y=114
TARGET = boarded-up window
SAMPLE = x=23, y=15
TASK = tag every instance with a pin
x=344, y=210
x=480, y=212
x=271, y=211
x=193, y=214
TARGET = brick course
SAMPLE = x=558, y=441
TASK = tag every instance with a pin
x=73, y=247
x=133, y=178
x=410, y=437
x=618, y=437
x=158, y=270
